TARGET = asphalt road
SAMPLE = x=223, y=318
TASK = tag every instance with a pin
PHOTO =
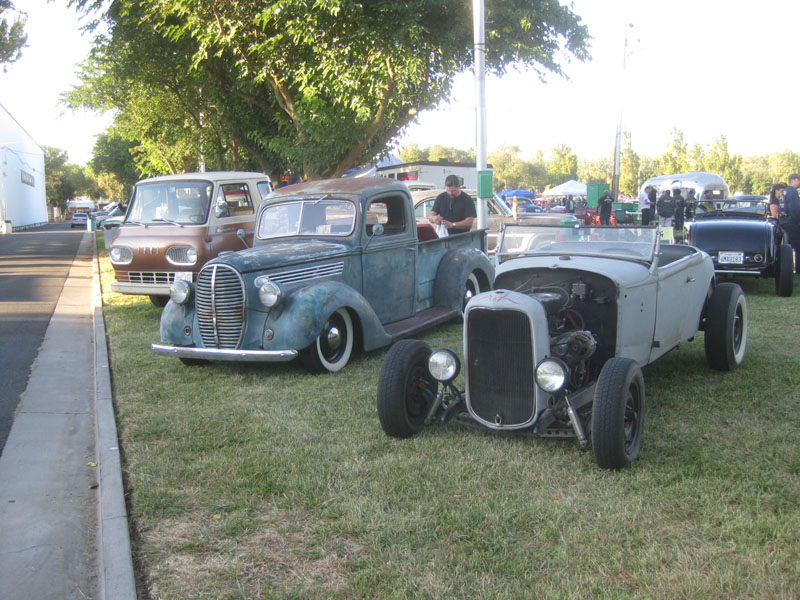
x=33, y=267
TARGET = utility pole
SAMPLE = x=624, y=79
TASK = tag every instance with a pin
x=618, y=137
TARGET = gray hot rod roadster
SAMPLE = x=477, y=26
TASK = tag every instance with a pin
x=556, y=350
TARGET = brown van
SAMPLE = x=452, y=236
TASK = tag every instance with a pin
x=177, y=223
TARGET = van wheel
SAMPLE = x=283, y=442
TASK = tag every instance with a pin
x=159, y=301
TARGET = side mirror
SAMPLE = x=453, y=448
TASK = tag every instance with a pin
x=241, y=234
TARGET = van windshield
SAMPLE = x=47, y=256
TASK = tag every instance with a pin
x=171, y=202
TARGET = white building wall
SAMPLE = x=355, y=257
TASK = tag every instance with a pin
x=22, y=187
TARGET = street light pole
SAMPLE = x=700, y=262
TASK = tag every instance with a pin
x=480, y=85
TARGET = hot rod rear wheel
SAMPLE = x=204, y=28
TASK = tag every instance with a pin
x=618, y=414
x=726, y=327
x=332, y=349
x=405, y=388
x=785, y=275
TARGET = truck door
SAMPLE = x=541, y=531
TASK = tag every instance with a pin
x=389, y=258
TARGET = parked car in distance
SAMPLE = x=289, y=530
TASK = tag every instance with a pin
x=557, y=348
x=177, y=223
x=78, y=219
x=336, y=265
x=498, y=214
x=742, y=241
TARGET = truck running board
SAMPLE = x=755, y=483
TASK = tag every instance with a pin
x=422, y=320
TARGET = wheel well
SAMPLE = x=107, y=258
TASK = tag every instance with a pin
x=358, y=330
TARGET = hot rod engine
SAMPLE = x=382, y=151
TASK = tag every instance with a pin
x=565, y=315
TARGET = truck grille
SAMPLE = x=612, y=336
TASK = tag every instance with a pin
x=501, y=389
x=219, y=301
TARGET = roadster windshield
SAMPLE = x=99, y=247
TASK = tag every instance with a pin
x=752, y=206
x=307, y=217
x=174, y=202
x=629, y=243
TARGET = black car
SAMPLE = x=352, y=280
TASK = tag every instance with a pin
x=742, y=240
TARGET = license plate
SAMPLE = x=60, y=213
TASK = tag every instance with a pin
x=185, y=275
x=730, y=258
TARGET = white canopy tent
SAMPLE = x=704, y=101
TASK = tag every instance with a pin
x=568, y=188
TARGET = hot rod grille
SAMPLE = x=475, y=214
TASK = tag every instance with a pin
x=501, y=386
x=220, y=307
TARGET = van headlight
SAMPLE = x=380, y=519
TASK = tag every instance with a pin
x=120, y=255
x=552, y=374
x=269, y=292
x=444, y=365
x=180, y=291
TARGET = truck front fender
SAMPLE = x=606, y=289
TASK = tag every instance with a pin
x=453, y=272
x=298, y=323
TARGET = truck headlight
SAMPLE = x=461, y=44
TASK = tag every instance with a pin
x=180, y=291
x=269, y=292
x=444, y=365
x=551, y=374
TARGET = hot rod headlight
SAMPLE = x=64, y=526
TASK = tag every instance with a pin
x=444, y=365
x=180, y=291
x=269, y=292
x=551, y=375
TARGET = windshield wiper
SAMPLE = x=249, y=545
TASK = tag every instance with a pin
x=170, y=221
x=134, y=223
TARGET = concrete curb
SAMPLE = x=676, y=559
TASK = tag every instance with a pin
x=115, y=563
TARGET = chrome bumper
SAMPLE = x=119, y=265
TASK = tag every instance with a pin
x=231, y=355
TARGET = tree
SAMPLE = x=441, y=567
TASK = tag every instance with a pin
x=113, y=155
x=509, y=170
x=12, y=33
x=629, y=168
x=563, y=164
x=314, y=86
x=718, y=160
x=676, y=157
x=63, y=181
x=413, y=153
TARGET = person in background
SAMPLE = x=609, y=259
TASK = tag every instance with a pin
x=644, y=204
x=665, y=207
x=680, y=210
x=774, y=205
x=790, y=218
x=605, y=204
x=569, y=205
x=453, y=208
x=691, y=204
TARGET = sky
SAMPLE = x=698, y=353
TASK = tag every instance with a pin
x=705, y=67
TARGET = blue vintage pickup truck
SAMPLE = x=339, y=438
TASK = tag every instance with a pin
x=336, y=265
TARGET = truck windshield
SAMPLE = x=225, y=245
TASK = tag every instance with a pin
x=307, y=217
x=632, y=243
x=173, y=202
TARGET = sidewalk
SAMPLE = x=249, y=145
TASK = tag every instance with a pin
x=63, y=525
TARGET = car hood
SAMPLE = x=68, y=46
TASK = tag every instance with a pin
x=712, y=235
x=624, y=273
x=283, y=254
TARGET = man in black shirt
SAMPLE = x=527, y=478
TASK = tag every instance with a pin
x=453, y=208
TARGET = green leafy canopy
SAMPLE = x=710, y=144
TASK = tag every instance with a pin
x=309, y=85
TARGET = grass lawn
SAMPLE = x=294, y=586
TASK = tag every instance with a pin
x=261, y=481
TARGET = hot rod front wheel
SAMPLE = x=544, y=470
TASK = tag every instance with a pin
x=618, y=414
x=332, y=349
x=406, y=389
